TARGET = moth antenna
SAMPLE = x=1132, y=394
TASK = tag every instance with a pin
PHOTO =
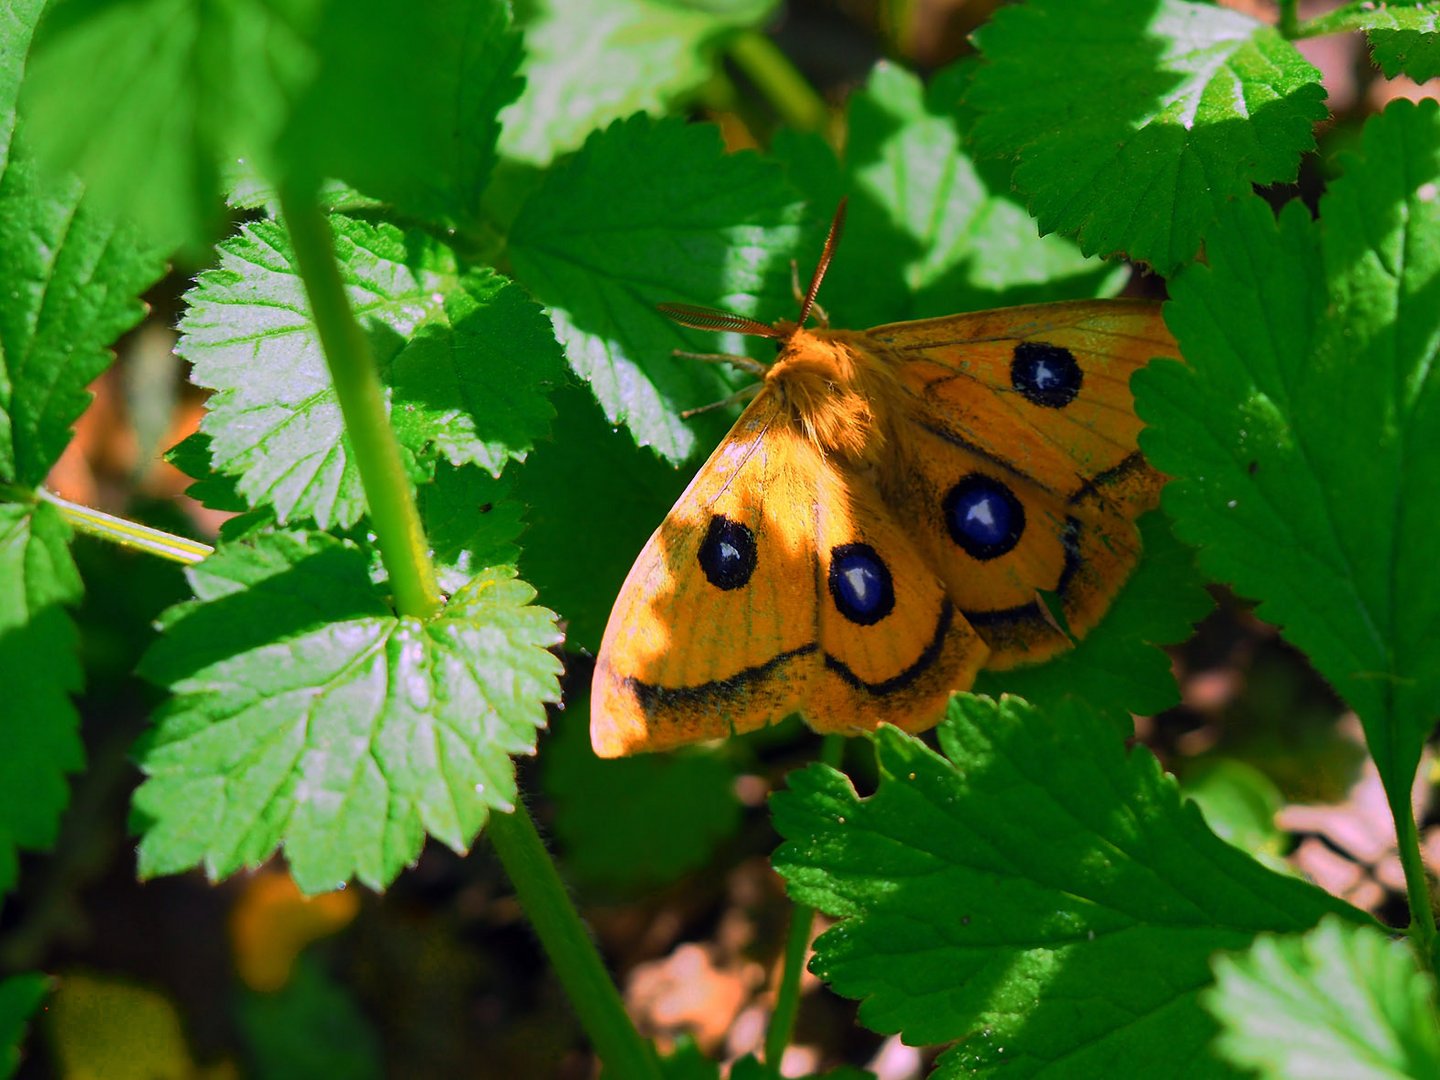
x=826, y=255
x=744, y=363
x=703, y=318
x=745, y=393
x=821, y=315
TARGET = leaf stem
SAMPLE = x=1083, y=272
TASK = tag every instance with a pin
x=398, y=532
x=582, y=972
x=794, y=99
x=1289, y=24
x=127, y=533
x=797, y=947
x=1417, y=883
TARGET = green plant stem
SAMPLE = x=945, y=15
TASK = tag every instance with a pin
x=797, y=946
x=794, y=99
x=398, y=532
x=582, y=972
x=1417, y=884
x=1289, y=24
x=127, y=533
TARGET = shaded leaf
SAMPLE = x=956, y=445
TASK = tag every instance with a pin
x=1131, y=124
x=648, y=212
x=589, y=62
x=39, y=727
x=1039, y=896
x=1329, y=524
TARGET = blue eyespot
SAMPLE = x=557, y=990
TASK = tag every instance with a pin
x=984, y=516
x=1045, y=375
x=860, y=584
x=727, y=554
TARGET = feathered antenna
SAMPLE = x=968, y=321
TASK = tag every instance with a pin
x=836, y=224
x=703, y=318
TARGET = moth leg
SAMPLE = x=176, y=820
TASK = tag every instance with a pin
x=745, y=393
x=744, y=363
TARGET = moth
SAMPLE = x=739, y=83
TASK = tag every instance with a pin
x=896, y=509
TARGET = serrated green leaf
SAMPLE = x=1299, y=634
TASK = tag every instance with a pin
x=589, y=62
x=1240, y=803
x=1300, y=436
x=594, y=500
x=1042, y=897
x=650, y=212
x=310, y=1027
x=215, y=491
x=1408, y=52
x=307, y=716
x=17, y=27
x=675, y=810
x=1118, y=666
x=1404, y=35
x=428, y=150
x=72, y=280
x=20, y=996
x=473, y=357
x=1130, y=123
x=144, y=100
x=925, y=233
x=274, y=421
x=1340, y=1001
x=471, y=520
x=476, y=391
x=39, y=728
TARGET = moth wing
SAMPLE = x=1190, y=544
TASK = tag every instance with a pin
x=892, y=647
x=1019, y=447
x=713, y=631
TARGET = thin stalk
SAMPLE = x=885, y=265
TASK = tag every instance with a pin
x=1417, y=883
x=1289, y=23
x=393, y=516
x=794, y=99
x=797, y=947
x=127, y=533
x=582, y=972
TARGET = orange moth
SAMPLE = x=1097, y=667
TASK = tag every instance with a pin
x=882, y=521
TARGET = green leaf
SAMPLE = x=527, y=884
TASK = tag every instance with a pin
x=1404, y=36
x=39, y=728
x=20, y=996
x=476, y=391
x=1118, y=666
x=674, y=811
x=1240, y=803
x=471, y=520
x=306, y=715
x=71, y=282
x=649, y=212
x=471, y=357
x=146, y=99
x=925, y=234
x=594, y=500
x=1338, y=1001
x=1130, y=124
x=1043, y=898
x=17, y=27
x=1300, y=436
x=311, y=1027
x=427, y=149
x=589, y=62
